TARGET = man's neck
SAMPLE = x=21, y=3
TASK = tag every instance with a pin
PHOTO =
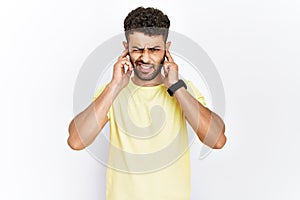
x=154, y=82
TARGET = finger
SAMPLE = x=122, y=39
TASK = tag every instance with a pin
x=169, y=57
x=171, y=66
x=166, y=73
x=128, y=73
x=124, y=54
x=126, y=62
x=166, y=68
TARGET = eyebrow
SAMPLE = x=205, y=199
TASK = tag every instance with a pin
x=157, y=46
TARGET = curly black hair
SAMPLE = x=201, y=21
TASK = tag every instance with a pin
x=149, y=21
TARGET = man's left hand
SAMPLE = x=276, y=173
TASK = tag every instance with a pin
x=170, y=70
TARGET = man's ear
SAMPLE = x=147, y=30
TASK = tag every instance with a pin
x=125, y=44
x=168, y=44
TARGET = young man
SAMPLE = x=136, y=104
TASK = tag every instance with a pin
x=147, y=110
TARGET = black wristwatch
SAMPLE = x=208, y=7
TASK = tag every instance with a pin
x=180, y=83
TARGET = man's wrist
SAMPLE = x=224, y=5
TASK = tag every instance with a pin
x=114, y=87
x=174, y=87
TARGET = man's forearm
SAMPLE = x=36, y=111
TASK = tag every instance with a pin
x=208, y=126
x=85, y=127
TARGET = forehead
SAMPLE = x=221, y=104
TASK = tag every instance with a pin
x=140, y=39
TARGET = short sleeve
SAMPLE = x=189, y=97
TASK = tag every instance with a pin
x=97, y=94
x=192, y=89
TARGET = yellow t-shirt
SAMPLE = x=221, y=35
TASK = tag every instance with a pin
x=148, y=155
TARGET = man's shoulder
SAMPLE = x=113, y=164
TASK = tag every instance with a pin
x=194, y=91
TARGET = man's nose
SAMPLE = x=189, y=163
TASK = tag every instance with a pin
x=145, y=55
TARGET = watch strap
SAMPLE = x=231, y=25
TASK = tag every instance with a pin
x=180, y=83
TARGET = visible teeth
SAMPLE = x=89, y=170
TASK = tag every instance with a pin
x=145, y=67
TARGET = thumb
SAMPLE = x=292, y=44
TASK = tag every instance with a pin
x=166, y=69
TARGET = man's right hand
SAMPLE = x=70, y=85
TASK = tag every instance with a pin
x=120, y=77
x=86, y=125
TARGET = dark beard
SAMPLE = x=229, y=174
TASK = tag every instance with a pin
x=153, y=75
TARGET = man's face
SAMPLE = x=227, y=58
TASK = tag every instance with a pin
x=147, y=54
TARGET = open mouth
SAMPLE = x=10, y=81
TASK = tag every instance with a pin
x=145, y=67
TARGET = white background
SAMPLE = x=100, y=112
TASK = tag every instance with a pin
x=253, y=43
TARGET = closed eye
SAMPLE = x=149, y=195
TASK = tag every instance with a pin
x=140, y=50
x=154, y=49
x=137, y=50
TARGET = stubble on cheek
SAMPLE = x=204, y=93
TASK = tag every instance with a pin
x=133, y=63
